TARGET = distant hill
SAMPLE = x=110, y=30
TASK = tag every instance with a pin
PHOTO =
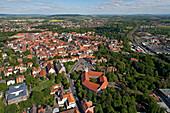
x=76, y=15
x=40, y=15
x=22, y=15
x=66, y=15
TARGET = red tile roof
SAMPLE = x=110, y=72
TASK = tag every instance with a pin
x=93, y=86
x=1, y=69
x=43, y=73
x=95, y=73
x=55, y=88
x=133, y=59
x=20, y=78
x=41, y=110
x=105, y=82
x=30, y=63
x=90, y=85
x=87, y=104
x=70, y=97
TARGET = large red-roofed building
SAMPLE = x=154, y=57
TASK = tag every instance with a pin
x=94, y=87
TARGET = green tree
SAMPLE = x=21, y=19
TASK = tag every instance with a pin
x=51, y=76
x=132, y=109
x=3, y=87
x=24, y=104
x=26, y=53
x=3, y=75
x=74, y=75
x=36, y=97
x=46, y=91
x=89, y=95
x=12, y=108
x=61, y=109
x=34, y=60
x=58, y=79
x=36, y=65
x=110, y=109
x=123, y=110
x=2, y=106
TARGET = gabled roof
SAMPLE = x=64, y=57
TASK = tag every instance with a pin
x=87, y=104
x=21, y=76
x=30, y=63
x=70, y=97
x=93, y=86
x=59, y=66
x=43, y=72
x=55, y=88
x=49, y=66
x=105, y=82
x=90, y=85
x=21, y=64
x=95, y=73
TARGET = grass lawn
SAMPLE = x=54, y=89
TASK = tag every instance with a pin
x=70, y=66
x=94, y=80
x=125, y=31
x=128, y=28
x=43, y=85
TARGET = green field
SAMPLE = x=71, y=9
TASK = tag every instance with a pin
x=128, y=28
x=43, y=85
x=164, y=27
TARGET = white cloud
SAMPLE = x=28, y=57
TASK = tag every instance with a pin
x=3, y=6
x=109, y=7
x=133, y=7
x=19, y=0
x=43, y=3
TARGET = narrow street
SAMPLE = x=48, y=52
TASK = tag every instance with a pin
x=73, y=91
x=71, y=81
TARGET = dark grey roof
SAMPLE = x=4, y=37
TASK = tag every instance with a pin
x=165, y=91
x=21, y=88
x=59, y=66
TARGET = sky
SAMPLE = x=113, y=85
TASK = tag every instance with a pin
x=84, y=7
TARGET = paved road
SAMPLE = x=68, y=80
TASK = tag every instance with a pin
x=73, y=91
x=71, y=81
x=81, y=62
x=167, y=104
